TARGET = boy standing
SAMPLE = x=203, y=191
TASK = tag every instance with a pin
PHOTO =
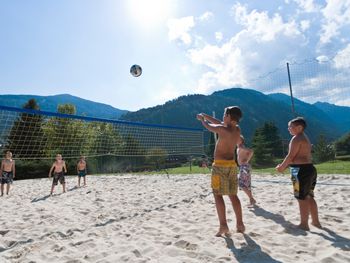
x=7, y=171
x=224, y=170
x=59, y=168
x=244, y=155
x=81, y=169
x=303, y=173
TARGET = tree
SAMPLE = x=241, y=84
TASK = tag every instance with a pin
x=323, y=151
x=27, y=138
x=342, y=146
x=267, y=144
x=157, y=158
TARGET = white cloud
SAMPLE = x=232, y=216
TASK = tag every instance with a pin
x=336, y=15
x=260, y=46
x=342, y=59
x=304, y=25
x=206, y=16
x=179, y=29
x=322, y=59
x=307, y=5
x=260, y=25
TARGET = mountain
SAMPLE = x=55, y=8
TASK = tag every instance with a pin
x=340, y=114
x=257, y=108
x=50, y=103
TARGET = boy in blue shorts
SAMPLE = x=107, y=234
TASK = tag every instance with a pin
x=303, y=173
x=81, y=170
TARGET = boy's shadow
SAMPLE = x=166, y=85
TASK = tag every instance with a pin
x=37, y=199
x=337, y=241
x=289, y=227
x=251, y=252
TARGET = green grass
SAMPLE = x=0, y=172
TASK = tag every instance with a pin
x=332, y=167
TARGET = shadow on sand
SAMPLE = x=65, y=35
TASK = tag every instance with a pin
x=289, y=227
x=38, y=199
x=340, y=242
x=251, y=252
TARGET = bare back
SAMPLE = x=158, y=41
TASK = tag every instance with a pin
x=244, y=155
x=302, y=146
x=225, y=146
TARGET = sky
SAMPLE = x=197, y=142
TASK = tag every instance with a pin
x=86, y=47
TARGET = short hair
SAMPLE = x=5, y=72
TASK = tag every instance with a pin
x=242, y=139
x=8, y=152
x=234, y=112
x=299, y=121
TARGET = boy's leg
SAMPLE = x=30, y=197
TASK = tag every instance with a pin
x=250, y=195
x=85, y=180
x=221, y=210
x=52, y=188
x=314, y=212
x=2, y=189
x=78, y=180
x=237, y=208
x=304, y=214
x=7, y=189
x=64, y=187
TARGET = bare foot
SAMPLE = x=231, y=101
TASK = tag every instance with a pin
x=316, y=224
x=223, y=230
x=304, y=227
x=240, y=228
x=252, y=201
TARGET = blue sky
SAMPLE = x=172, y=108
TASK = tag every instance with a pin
x=86, y=47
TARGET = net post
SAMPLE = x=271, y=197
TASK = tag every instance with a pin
x=290, y=89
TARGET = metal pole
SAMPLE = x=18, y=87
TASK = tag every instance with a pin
x=290, y=89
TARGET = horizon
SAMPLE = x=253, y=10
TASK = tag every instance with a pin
x=65, y=94
x=86, y=48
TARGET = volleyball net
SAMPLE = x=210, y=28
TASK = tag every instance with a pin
x=112, y=145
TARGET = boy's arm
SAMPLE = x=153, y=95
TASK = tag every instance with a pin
x=250, y=155
x=13, y=169
x=209, y=126
x=51, y=169
x=211, y=119
x=64, y=167
x=293, y=150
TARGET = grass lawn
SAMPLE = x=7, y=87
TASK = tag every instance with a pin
x=332, y=167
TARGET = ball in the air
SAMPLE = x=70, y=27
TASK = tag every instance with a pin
x=136, y=70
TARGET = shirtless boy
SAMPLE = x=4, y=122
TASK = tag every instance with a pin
x=244, y=155
x=59, y=168
x=7, y=172
x=224, y=171
x=303, y=173
x=81, y=170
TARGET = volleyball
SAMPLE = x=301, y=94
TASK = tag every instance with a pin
x=136, y=70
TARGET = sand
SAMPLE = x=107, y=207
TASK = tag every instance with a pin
x=153, y=218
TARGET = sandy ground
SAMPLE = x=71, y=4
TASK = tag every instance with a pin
x=153, y=218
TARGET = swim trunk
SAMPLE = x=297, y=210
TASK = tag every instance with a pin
x=304, y=177
x=245, y=178
x=58, y=177
x=7, y=178
x=224, y=177
x=81, y=173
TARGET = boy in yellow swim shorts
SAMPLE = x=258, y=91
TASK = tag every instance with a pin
x=224, y=172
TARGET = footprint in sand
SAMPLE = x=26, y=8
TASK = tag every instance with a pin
x=185, y=245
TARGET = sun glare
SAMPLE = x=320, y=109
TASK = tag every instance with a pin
x=149, y=13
